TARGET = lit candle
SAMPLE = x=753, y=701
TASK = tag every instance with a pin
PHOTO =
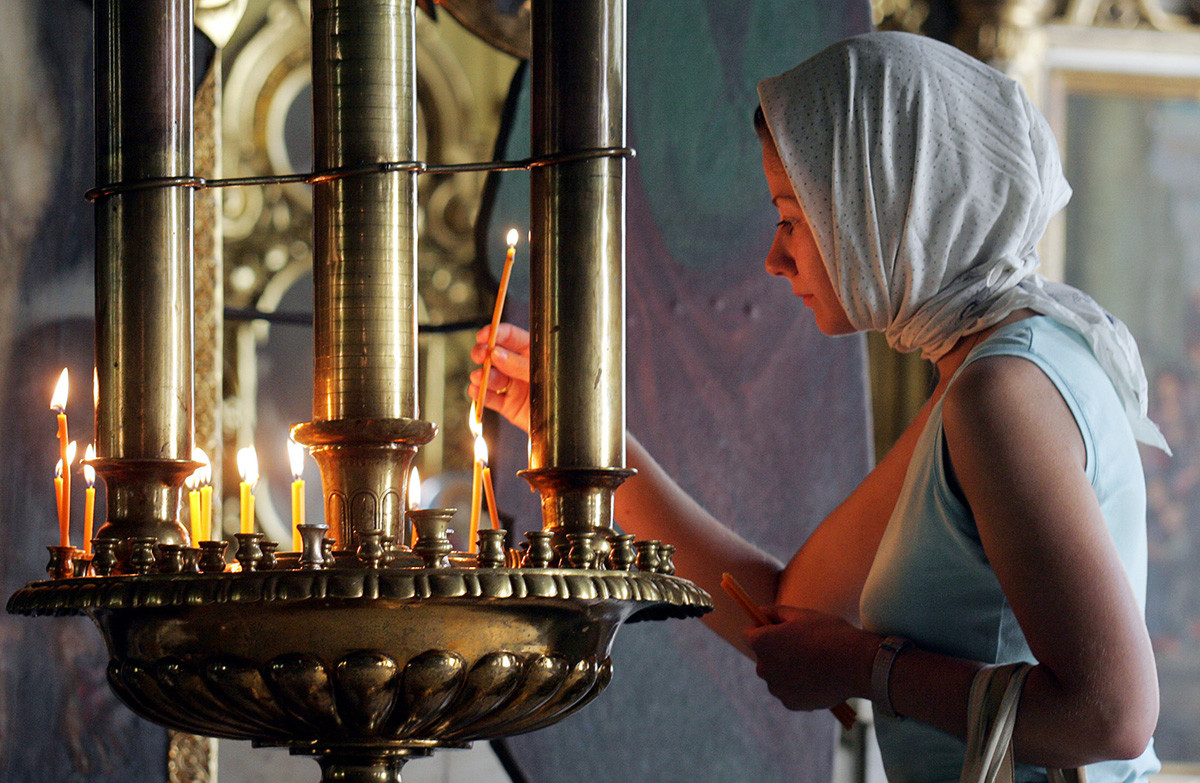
x=206, y=497
x=58, y=404
x=496, y=313
x=296, y=458
x=490, y=492
x=64, y=533
x=476, y=478
x=247, y=460
x=193, y=483
x=89, y=499
x=414, y=500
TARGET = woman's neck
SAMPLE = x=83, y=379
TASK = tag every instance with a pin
x=949, y=363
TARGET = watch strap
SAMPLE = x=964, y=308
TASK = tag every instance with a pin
x=881, y=674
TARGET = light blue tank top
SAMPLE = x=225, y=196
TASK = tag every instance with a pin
x=931, y=581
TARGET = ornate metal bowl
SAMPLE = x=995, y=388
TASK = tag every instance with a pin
x=363, y=667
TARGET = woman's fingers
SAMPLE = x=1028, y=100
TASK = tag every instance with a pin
x=505, y=394
x=511, y=364
x=508, y=381
x=513, y=338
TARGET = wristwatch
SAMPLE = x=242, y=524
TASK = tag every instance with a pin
x=881, y=674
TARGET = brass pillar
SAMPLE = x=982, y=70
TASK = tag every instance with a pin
x=577, y=257
x=364, y=430
x=143, y=53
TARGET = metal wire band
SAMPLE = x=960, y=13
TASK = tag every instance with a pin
x=329, y=175
x=306, y=320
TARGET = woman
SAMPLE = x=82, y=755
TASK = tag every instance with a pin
x=912, y=184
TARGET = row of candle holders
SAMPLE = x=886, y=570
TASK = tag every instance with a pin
x=541, y=549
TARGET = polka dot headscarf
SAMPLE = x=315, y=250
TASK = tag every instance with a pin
x=928, y=178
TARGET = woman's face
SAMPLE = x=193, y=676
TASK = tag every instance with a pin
x=794, y=254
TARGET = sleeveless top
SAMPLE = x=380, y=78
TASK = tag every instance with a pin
x=931, y=582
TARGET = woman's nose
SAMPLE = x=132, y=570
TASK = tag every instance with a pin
x=779, y=262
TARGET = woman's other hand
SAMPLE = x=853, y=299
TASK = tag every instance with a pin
x=508, y=382
x=811, y=660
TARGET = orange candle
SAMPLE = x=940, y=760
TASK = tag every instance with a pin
x=247, y=460
x=58, y=404
x=296, y=458
x=501, y=293
x=490, y=492
x=476, y=428
x=476, y=482
x=414, y=500
x=206, y=505
x=89, y=498
x=64, y=532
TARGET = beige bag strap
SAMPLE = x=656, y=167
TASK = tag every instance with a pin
x=991, y=718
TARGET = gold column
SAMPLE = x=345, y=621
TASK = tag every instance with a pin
x=577, y=257
x=364, y=429
x=143, y=51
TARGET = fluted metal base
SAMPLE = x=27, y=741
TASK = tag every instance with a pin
x=362, y=667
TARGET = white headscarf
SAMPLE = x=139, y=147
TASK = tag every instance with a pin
x=928, y=178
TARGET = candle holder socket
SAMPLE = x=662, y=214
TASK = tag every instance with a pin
x=621, y=555
x=171, y=558
x=104, y=556
x=249, y=551
x=60, y=565
x=539, y=552
x=371, y=549
x=212, y=556
x=269, y=560
x=142, y=557
x=433, y=541
x=312, y=557
x=491, y=548
x=581, y=549
x=647, y=555
x=81, y=564
x=665, y=564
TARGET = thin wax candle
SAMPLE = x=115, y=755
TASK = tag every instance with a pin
x=89, y=498
x=497, y=311
x=195, y=505
x=296, y=458
x=62, y=483
x=247, y=460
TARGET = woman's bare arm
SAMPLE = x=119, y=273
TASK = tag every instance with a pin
x=827, y=573
x=1019, y=458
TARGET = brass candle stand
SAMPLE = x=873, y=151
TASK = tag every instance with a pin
x=356, y=662
x=360, y=650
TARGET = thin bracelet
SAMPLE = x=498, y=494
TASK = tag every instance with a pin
x=881, y=674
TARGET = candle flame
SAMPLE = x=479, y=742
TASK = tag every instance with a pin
x=414, y=489
x=198, y=475
x=296, y=458
x=71, y=449
x=89, y=473
x=205, y=472
x=512, y=237
x=247, y=462
x=481, y=450
x=58, y=469
x=58, y=402
x=95, y=388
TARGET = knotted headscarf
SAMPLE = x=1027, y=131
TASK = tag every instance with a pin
x=928, y=178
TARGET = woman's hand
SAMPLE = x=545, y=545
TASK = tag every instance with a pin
x=811, y=660
x=508, y=382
